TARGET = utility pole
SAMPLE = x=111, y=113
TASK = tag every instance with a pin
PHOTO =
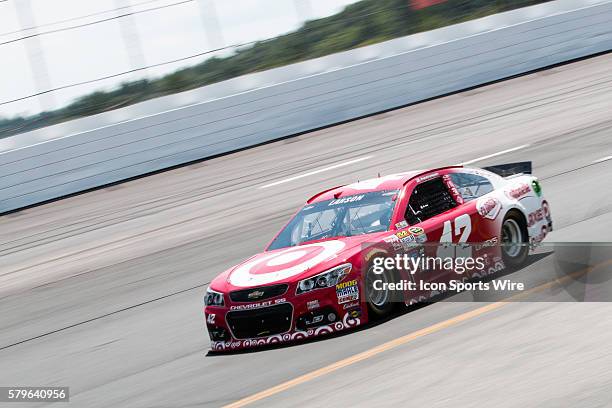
x=212, y=28
x=131, y=39
x=36, y=56
x=303, y=9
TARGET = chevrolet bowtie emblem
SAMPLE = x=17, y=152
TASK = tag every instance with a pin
x=255, y=294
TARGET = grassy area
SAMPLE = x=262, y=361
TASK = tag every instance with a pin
x=363, y=23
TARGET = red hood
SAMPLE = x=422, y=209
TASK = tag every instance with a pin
x=291, y=264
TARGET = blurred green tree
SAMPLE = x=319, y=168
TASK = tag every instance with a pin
x=363, y=23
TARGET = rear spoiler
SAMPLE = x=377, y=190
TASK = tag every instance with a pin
x=510, y=169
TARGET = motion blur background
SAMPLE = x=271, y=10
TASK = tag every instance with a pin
x=66, y=59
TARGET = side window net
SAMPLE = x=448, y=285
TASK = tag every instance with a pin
x=471, y=186
x=428, y=199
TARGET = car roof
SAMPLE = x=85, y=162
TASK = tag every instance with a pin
x=383, y=183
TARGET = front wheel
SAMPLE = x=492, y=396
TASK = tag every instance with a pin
x=514, y=240
x=380, y=301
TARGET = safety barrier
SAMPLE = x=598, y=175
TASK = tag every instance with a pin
x=256, y=108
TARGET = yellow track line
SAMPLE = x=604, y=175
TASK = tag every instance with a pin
x=397, y=342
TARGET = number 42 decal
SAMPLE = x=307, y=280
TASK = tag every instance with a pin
x=462, y=229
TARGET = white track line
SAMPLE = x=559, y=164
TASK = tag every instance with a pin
x=494, y=154
x=603, y=159
x=310, y=173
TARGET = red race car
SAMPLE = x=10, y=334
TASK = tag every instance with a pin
x=316, y=276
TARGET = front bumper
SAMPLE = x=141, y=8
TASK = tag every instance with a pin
x=241, y=326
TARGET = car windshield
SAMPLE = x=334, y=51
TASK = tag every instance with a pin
x=342, y=217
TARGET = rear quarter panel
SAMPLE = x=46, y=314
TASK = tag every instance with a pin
x=522, y=193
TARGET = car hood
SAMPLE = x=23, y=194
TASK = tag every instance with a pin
x=291, y=264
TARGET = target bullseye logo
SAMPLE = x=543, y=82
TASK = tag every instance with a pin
x=279, y=265
x=286, y=258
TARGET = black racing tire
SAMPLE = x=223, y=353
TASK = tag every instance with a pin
x=514, y=240
x=380, y=303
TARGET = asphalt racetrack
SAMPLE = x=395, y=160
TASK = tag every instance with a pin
x=102, y=292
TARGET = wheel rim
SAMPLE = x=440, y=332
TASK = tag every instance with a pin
x=377, y=298
x=512, y=238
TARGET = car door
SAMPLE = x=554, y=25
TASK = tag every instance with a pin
x=449, y=223
x=473, y=189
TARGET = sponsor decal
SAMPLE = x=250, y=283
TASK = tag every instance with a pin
x=426, y=177
x=421, y=238
x=394, y=241
x=488, y=207
x=539, y=215
x=486, y=244
x=419, y=234
x=315, y=319
x=345, y=200
x=519, y=191
x=416, y=230
x=313, y=304
x=210, y=318
x=408, y=241
x=258, y=305
x=355, y=313
x=402, y=240
x=452, y=189
x=401, y=224
x=346, y=323
x=350, y=305
x=256, y=294
x=491, y=242
x=347, y=291
x=402, y=234
x=535, y=217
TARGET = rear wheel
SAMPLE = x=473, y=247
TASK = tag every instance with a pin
x=380, y=301
x=514, y=240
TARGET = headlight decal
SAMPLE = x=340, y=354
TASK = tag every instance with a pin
x=323, y=280
x=213, y=298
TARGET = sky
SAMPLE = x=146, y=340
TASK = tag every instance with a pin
x=120, y=44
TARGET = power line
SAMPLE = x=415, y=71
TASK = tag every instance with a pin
x=75, y=18
x=234, y=46
x=95, y=22
x=59, y=88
